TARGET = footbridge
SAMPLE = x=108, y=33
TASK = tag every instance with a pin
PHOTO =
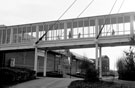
x=71, y=33
x=118, y=30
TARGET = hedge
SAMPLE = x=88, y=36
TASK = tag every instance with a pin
x=16, y=74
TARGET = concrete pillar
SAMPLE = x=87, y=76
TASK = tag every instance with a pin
x=96, y=43
x=45, y=62
x=96, y=63
x=63, y=66
x=36, y=58
x=100, y=62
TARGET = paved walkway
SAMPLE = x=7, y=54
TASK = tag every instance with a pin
x=62, y=82
x=46, y=83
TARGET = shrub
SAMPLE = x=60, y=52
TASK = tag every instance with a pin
x=27, y=73
x=15, y=74
x=88, y=68
x=7, y=75
x=91, y=75
x=54, y=74
x=51, y=74
x=100, y=84
x=126, y=66
x=77, y=75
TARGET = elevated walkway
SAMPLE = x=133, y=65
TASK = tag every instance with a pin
x=70, y=33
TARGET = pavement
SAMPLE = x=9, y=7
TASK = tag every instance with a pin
x=46, y=83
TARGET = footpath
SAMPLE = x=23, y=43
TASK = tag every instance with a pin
x=46, y=83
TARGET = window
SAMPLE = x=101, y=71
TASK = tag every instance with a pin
x=127, y=24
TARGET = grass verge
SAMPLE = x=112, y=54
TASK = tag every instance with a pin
x=100, y=84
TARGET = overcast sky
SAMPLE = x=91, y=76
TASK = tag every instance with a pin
x=13, y=12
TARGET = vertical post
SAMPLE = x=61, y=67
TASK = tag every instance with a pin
x=96, y=56
x=45, y=62
x=76, y=64
x=47, y=35
x=131, y=25
x=54, y=62
x=70, y=65
x=65, y=30
x=36, y=50
x=63, y=66
x=36, y=57
x=72, y=32
x=11, y=36
x=100, y=62
x=96, y=43
x=83, y=29
x=37, y=32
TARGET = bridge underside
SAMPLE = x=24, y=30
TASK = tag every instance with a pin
x=86, y=43
x=74, y=43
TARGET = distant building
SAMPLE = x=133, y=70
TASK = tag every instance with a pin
x=105, y=65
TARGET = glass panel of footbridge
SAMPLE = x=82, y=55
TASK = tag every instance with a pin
x=28, y=33
x=134, y=25
x=24, y=34
x=55, y=31
x=5, y=35
x=44, y=29
x=108, y=26
x=123, y=25
x=0, y=36
x=114, y=26
x=81, y=28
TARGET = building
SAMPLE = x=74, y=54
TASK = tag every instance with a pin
x=57, y=61
x=105, y=65
x=25, y=58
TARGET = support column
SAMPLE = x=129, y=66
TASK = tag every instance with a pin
x=36, y=57
x=96, y=63
x=45, y=62
x=100, y=62
x=96, y=43
x=62, y=65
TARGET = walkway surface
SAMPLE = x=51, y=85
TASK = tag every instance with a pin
x=46, y=83
x=63, y=82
